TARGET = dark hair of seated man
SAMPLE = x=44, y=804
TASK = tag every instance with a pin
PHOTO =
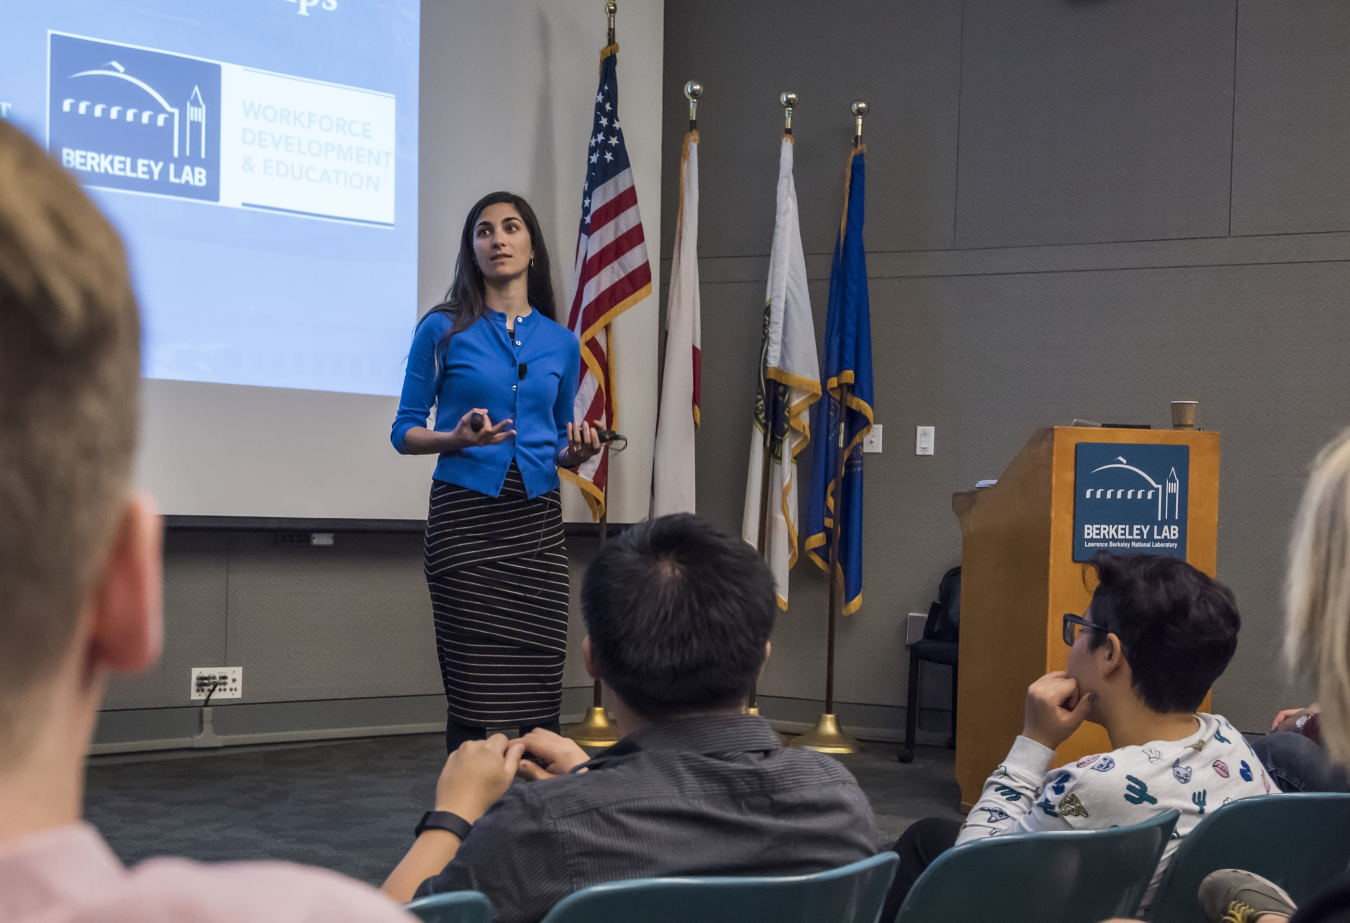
x=1177, y=627
x=678, y=615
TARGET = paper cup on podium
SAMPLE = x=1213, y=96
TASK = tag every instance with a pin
x=1183, y=414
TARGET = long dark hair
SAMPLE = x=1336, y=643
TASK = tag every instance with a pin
x=464, y=301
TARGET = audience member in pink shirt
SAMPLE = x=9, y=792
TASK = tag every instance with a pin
x=80, y=578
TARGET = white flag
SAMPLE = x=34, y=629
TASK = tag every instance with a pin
x=789, y=383
x=673, y=475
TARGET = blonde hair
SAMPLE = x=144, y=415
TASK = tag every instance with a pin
x=1317, y=594
x=69, y=381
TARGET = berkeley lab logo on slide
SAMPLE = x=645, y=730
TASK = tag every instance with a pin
x=131, y=118
x=1130, y=499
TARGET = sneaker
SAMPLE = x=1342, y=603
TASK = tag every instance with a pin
x=1235, y=896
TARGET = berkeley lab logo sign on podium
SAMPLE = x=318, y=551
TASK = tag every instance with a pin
x=131, y=118
x=1130, y=499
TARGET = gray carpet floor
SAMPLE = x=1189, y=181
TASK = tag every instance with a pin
x=351, y=805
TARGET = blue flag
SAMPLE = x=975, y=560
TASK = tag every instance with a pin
x=846, y=371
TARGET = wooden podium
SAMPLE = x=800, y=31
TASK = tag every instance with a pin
x=1019, y=577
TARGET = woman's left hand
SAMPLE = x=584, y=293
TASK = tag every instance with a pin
x=583, y=443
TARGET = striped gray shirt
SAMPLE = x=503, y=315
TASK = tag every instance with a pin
x=715, y=795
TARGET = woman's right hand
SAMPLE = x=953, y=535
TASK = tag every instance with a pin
x=464, y=436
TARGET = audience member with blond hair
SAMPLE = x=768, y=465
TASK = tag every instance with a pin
x=1317, y=649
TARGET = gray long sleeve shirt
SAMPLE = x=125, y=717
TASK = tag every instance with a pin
x=713, y=795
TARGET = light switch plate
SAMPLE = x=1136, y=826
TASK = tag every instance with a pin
x=923, y=440
x=872, y=441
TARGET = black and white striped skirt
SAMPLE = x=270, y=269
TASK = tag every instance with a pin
x=497, y=570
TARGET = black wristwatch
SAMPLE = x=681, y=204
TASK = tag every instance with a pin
x=444, y=820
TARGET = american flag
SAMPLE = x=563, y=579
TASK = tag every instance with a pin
x=611, y=273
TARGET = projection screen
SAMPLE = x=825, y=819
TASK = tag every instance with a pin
x=290, y=177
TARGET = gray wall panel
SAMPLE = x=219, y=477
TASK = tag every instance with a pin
x=902, y=57
x=1291, y=137
x=194, y=623
x=349, y=621
x=352, y=621
x=1091, y=121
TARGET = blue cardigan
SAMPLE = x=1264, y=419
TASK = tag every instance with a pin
x=481, y=371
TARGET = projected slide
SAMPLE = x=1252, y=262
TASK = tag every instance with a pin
x=260, y=158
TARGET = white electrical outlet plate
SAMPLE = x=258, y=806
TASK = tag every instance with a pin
x=231, y=680
x=923, y=440
x=914, y=623
x=872, y=441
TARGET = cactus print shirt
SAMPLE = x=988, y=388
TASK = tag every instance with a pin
x=1212, y=767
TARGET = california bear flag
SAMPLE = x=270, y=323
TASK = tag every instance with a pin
x=673, y=465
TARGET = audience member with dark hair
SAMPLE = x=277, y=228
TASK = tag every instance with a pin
x=1156, y=636
x=678, y=617
x=80, y=576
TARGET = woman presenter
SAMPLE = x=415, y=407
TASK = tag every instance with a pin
x=502, y=375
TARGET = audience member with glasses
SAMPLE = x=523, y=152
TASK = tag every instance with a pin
x=1156, y=636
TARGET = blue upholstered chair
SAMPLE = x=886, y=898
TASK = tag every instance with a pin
x=1071, y=876
x=852, y=894
x=452, y=907
x=1298, y=841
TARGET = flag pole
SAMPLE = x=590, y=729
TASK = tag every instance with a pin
x=752, y=705
x=787, y=100
x=596, y=732
x=835, y=589
x=827, y=736
x=692, y=91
